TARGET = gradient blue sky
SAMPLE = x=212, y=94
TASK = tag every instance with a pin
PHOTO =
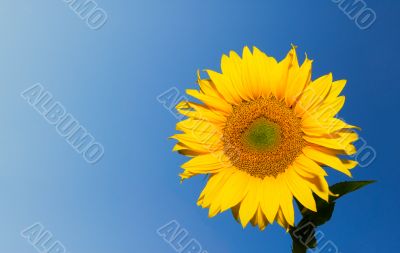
x=109, y=80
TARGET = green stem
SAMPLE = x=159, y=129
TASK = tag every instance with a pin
x=297, y=245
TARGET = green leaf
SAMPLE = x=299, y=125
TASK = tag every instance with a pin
x=325, y=209
x=324, y=213
x=344, y=188
x=303, y=236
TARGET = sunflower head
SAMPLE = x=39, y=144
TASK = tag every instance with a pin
x=263, y=130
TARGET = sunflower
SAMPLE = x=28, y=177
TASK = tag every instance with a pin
x=264, y=131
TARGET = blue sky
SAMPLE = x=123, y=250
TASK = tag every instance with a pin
x=109, y=79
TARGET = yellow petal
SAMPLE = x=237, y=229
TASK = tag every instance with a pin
x=196, y=126
x=251, y=81
x=264, y=66
x=319, y=186
x=313, y=94
x=315, y=127
x=250, y=203
x=269, y=198
x=213, y=102
x=200, y=112
x=280, y=218
x=300, y=80
x=232, y=68
x=279, y=75
x=206, y=142
x=235, y=212
x=224, y=86
x=259, y=219
x=349, y=164
x=209, y=163
x=286, y=200
x=336, y=89
x=307, y=164
x=299, y=189
x=213, y=186
x=342, y=142
x=234, y=190
x=327, y=159
x=328, y=109
x=325, y=142
x=208, y=87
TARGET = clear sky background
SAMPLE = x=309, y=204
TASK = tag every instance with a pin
x=109, y=79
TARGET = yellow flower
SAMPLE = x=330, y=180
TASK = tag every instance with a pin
x=262, y=129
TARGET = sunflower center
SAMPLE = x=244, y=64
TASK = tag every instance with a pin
x=262, y=137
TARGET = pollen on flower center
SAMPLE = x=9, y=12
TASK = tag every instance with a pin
x=262, y=137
